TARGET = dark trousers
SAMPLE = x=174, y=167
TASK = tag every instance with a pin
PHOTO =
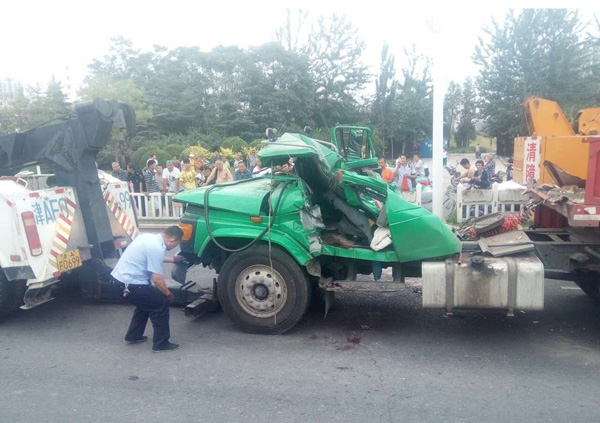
x=150, y=303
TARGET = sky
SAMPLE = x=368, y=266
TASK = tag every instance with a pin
x=60, y=38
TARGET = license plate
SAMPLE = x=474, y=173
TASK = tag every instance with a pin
x=69, y=260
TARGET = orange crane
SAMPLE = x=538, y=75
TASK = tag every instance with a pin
x=553, y=138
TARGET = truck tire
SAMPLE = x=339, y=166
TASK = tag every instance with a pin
x=589, y=282
x=11, y=294
x=260, y=299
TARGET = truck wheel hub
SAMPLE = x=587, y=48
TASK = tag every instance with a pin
x=261, y=291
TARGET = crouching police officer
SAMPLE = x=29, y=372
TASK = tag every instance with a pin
x=139, y=268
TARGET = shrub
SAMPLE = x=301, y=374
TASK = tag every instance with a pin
x=235, y=144
x=174, y=149
x=197, y=151
x=228, y=154
x=141, y=156
x=105, y=157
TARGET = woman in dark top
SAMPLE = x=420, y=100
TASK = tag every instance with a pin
x=481, y=180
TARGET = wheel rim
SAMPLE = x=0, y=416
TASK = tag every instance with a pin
x=261, y=291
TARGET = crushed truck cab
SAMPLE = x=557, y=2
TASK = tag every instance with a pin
x=279, y=239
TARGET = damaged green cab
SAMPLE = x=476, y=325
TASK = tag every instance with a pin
x=308, y=229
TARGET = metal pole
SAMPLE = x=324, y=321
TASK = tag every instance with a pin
x=438, y=126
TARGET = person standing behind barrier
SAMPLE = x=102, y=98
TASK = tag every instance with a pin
x=171, y=185
x=469, y=170
x=259, y=171
x=418, y=165
x=238, y=160
x=188, y=176
x=219, y=175
x=404, y=170
x=152, y=186
x=171, y=178
x=252, y=159
x=139, y=273
x=241, y=172
x=159, y=178
x=119, y=173
x=135, y=179
x=490, y=164
x=386, y=173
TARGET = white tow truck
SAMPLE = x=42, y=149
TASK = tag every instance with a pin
x=52, y=228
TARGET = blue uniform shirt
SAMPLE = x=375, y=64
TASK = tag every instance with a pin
x=143, y=257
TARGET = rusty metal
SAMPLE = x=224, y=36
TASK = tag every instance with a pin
x=356, y=286
x=561, y=177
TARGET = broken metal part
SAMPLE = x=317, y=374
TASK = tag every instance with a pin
x=198, y=308
x=355, y=216
x=507, y=243
x=357, y=286
x=561, y=177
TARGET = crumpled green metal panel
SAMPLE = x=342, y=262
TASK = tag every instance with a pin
x=416, y=233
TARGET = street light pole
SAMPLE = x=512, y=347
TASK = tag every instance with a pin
x=438, y=121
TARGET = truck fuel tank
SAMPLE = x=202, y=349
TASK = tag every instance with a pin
x=496, y=283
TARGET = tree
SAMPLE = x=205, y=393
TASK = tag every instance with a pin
x=465, y=131
x=36, y=107
x=452, y=105
x=385, y=95
x=289, y=34
x=537, y=52
x=413, y=104
x=334, y=50
x=280, y=90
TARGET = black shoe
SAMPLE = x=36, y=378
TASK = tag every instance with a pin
x=168, y=347
x=136, y=341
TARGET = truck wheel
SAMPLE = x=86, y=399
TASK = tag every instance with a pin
x=11, y=294
x=261, y=299
x=589, y=282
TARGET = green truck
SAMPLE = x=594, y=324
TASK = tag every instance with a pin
x=321, y=227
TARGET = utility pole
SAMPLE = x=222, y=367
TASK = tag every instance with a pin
x=438, y=117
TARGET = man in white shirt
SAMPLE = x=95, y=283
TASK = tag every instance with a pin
x=404, y=168
x=171, y=178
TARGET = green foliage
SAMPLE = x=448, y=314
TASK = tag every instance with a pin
x=413, y=103
x=465, y=131
x=452, y=104
x=256, y=145
x=379, y=143
x=335, y=49
x=141, y=156
x=104, y=158
x=197, y=151
x=35, y=107
x=228, y=154
x=123, y=90
x=539, y=52
x=234, y=143
x=382, y=110
x=174, y=150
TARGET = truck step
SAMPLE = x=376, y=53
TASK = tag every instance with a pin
x=356, y=286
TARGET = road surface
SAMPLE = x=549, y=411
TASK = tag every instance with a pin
x=375, y=358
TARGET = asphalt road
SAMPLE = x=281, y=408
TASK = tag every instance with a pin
x=375, y=358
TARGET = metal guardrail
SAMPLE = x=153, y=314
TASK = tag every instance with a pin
x=479, y=202
x=156, y=206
